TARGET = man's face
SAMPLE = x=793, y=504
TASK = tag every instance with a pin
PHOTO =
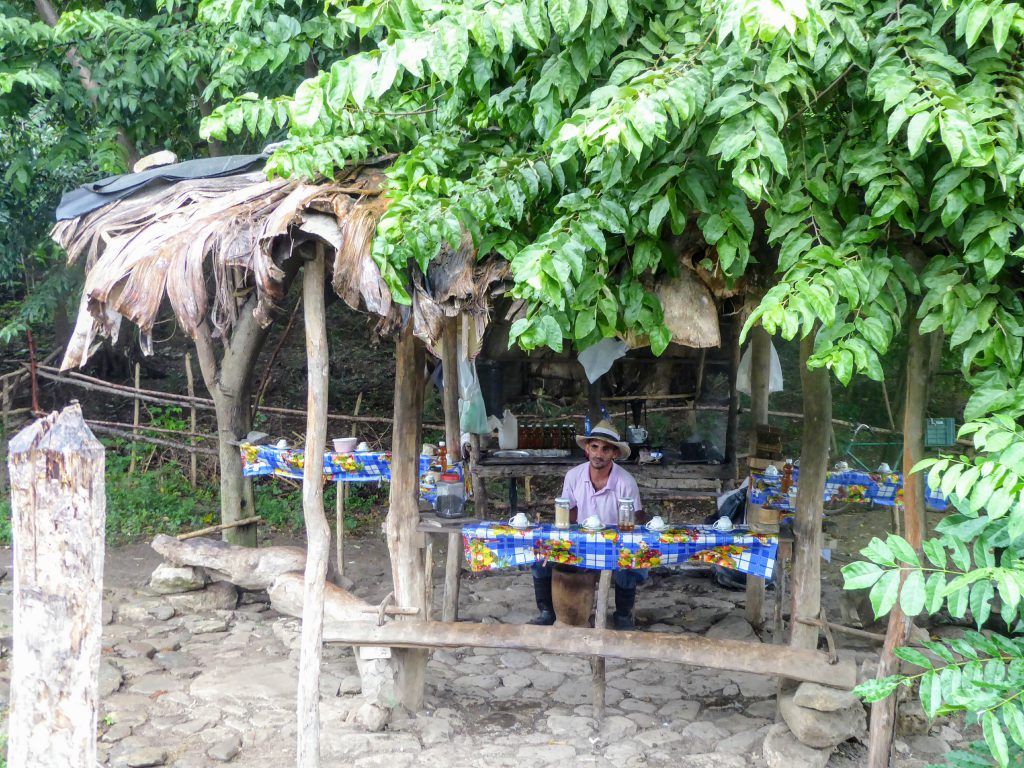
x=600, y=454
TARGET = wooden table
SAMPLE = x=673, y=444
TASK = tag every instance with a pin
x=656, y=481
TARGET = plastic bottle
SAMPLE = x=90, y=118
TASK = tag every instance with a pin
x=586, y=425
x=442, y=454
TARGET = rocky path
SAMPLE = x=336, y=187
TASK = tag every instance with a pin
x=208, y=677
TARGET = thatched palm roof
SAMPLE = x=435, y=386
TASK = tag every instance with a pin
x=206, y=244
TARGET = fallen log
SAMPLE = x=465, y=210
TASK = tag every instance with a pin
x=733, y=655
x=243, y=566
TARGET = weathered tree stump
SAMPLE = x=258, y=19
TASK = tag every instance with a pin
x=59, y=510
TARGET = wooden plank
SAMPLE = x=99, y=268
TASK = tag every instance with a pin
x=883, y=713
x=58, y=512
x=452, y=577
x=318, y=533
x=403, y=515
x=597, y=664
x=734, y=655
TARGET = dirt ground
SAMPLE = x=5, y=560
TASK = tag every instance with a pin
x=210, y=678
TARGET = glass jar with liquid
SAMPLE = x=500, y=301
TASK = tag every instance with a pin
x=627, y=515
x=562, y=512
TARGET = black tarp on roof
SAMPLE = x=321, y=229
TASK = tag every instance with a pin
x=96, y=194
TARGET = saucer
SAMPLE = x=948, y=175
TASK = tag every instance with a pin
x=526, y=527
x=593, y=530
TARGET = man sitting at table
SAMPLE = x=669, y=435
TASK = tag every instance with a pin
x=594, y=488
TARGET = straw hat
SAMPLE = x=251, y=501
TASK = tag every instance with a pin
x=606, y=433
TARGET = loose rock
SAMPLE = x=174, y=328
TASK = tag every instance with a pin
x=822, y=729
x=144, y=758
x=823, y=698
x=782, y=750
x=171, y=580
x=225, y=750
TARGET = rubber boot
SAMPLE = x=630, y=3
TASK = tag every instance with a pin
x=625, y=599
x=542, y=593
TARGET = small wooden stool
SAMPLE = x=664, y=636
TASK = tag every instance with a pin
x=572, y=595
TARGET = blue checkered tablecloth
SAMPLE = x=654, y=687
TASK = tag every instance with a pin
x=490, y=546
x=358, y=467
x=851, y=485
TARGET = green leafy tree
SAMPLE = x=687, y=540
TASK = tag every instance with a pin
x=871, y=151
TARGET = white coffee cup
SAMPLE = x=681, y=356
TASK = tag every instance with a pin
x=771, y=471
x=363, y=446
x=519, y=520
x=842, y=466
x=592, y=522
x=722, y=524
x=656, y=523
x=884, y=468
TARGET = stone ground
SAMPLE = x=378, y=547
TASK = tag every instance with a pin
x=192, y=680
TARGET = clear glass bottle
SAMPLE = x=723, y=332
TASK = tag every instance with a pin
x=627, y=515
x=562, y=512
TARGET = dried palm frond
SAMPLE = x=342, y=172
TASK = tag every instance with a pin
x=206, y=244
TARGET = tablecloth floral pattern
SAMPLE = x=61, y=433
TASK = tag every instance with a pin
x=851, y=485
x=358, y=467
x=490, y=546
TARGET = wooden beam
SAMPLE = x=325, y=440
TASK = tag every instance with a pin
x=734, y=655
x=318, y=534
x=450, y=368
x=58, y=512
x=806, y=580
x=403, y=515
x=760, y=371
x=883, y=713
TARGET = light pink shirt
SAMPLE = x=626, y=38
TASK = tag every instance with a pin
x=604, y=503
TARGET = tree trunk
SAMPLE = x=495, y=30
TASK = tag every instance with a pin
x=229, y=385
x=48, y=14
x=318, y=534
x=59, y=510
x=403, y=515
x=806, y=581
x=732, y=419
x=883, y=713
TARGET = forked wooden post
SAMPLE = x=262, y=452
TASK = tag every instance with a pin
x=404, y=542
x=318, y=534
x=59, y=509
x=760, y=370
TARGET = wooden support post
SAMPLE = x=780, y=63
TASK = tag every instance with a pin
x=806, y=581
x=450, y=368
x=318, y=534
x=883, y=713
x=58, y=514
x=480, y=502
x=732, y=419
x=7, y=406
x=403, y=515
x=597, y=664
x=452, y=577
x=135, y=422
x=192, y=467
x=340, y=501
x=428, y=583
x=760, y=370
x=736, y=655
